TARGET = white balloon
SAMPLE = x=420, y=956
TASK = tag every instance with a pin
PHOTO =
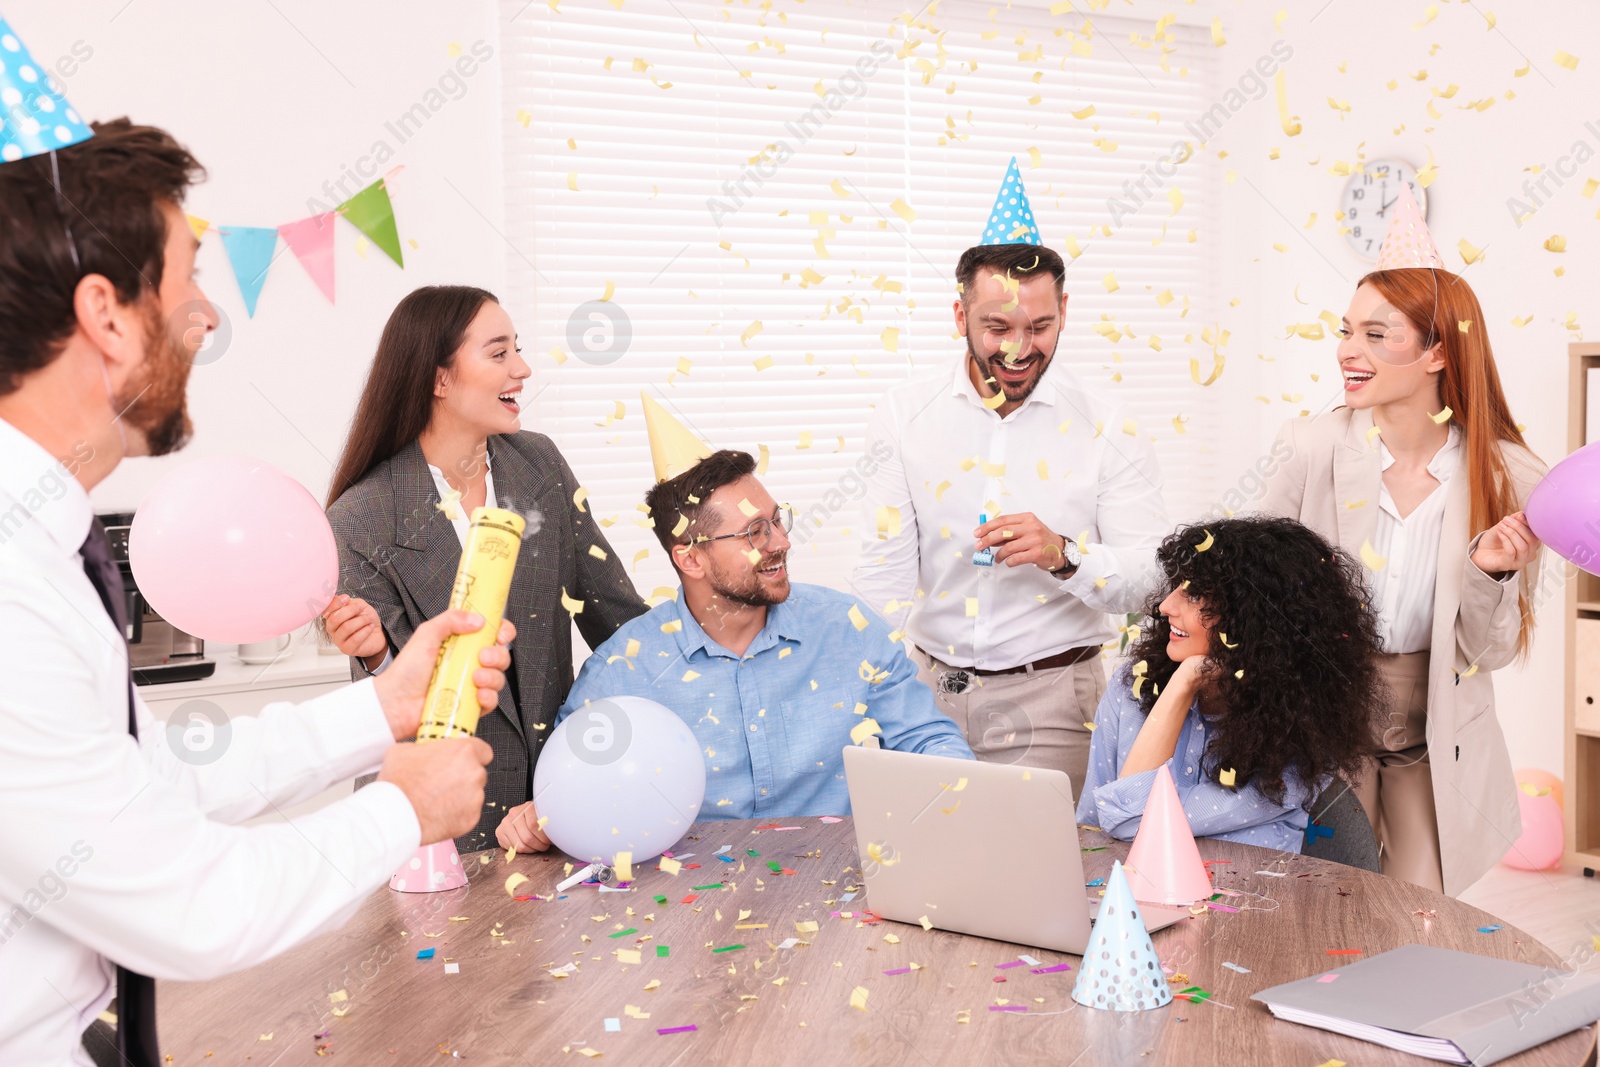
x=619, y=775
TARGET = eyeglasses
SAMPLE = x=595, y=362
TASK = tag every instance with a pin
x=759, y=533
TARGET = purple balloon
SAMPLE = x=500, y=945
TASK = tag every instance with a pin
x=1564, y=508
x=231, y=549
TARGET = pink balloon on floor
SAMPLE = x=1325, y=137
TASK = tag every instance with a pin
x=1541, y=844
x=1564, y=508
x=231, y=549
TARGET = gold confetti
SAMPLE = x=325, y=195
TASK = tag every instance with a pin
x=1555, y=243
x=1205, y=546
x=515, y=880
x=670, y=865
x=763, y=363
x=1566, y=60
x=1469, y=253
x=903, y=209
x=597, y=552
x=766, y=456
x=1442, y=417
x=579, y=497
x=1226, y=778
x=838, y=188
x=888, y=522
x=1175, y=196
x=672, y=627
x=857, y=619
x=890, y=338
x=858, y=998
x=1370, y=557
x=1216, y=33
x=611, y=290
x=863, y=730
x=1110, y=282
x=750, y=331
x=1216, y=369
x=574, y=607
x=747, y=509
x=1291, y=128
x=972, y=607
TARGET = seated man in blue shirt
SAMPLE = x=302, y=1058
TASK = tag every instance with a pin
x=775, y=679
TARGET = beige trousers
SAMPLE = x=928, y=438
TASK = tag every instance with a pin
x=1396, y=785
x=1037, y=718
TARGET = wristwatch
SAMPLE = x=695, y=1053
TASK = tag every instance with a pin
x=1071, y=558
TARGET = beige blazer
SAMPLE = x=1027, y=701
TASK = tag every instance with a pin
x=1328, y=477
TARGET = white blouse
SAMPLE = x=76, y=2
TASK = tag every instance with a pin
x=1403, y=589
x=450, y=500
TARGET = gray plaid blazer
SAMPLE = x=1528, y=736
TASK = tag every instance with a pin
x=398, y=552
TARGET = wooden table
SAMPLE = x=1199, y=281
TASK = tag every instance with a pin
x=765, y=1004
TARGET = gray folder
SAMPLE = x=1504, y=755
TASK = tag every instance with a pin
x=1442, y=1004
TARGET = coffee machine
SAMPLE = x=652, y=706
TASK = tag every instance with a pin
x=157, y=650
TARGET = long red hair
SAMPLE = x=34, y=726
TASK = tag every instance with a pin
x=1469, y=386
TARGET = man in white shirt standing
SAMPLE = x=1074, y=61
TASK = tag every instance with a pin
x=120, y=862
x=1014, y=511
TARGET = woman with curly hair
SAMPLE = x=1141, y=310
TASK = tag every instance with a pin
x=1255, y=682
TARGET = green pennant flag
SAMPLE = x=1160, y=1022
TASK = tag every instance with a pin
x=370, y=212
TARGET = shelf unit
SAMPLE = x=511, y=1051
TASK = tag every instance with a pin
x=1582, y=777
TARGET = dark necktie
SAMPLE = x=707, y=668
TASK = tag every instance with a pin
x=136, y=993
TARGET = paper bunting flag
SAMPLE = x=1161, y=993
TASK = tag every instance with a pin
x=370, y=212
x=1407, y=242
x=1120, y=970
x=311, y=241
x=250, y=251
x=673, y=449
x=36, y=116
x=1011, y=221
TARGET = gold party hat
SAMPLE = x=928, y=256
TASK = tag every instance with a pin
x=673, y=449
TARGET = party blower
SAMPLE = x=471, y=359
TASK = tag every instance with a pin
x=483, y=580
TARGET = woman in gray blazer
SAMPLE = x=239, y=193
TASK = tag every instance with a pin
x=1422, y=476
x=437, y=432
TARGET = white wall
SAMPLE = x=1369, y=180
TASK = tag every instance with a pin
x=1482, y=159
x=275, y=105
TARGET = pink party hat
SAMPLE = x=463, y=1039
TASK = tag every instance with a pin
x=432, y=869
x=1408, y=242
x=1164, y=864
x=1120, y=970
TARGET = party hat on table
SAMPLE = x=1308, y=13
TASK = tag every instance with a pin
x=432, y=869
x=1011, y=221
x=34, y=114
x=1120, y=970
x=1407, y=242
x=673, y=448
x=1164, y=864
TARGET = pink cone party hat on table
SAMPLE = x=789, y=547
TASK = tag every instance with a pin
x=432, y=868
x=1164, y=866
x=1407, y=242
x=1120, y=970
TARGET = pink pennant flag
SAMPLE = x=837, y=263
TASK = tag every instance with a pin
x=1408, y=242
x=311, y=240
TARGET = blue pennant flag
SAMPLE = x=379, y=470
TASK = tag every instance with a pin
x=1011, y=221
x=34, y=115
x=250, y=251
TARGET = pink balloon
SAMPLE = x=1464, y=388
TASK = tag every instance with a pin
x=1541, y=845
x=1564, y=508
x=231, y=549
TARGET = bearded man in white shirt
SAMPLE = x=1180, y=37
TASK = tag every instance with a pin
x=1007, y=616
x=119, y=861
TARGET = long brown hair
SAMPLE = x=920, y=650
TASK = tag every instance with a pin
x=1470, y=387
x=420, y=338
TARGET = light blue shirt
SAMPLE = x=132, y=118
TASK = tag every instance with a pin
x=1116, y=805
x=773, y=723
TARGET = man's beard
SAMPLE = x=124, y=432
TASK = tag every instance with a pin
x=1014, y=394
x=154, y=404
x=746, y=587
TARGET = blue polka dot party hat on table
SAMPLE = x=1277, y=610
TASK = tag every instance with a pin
x=1011, y=221
x=34, y=114
x=1120, y=970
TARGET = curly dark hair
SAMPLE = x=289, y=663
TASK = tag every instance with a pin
x=1292, y=615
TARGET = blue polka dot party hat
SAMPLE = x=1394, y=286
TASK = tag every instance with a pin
x=1120, y=970
x=34, y=115
x=1011, y=221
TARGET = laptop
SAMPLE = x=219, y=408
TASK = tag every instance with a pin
x=989, y=849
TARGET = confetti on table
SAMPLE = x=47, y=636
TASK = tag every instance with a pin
x=1008, y=1007
x=512, y=883
x=1329, y=978
x=662, y=952
x=898, y=971
x=670, y=865
x=629, y=955
x=613, y=1026
x=1054, y=968
x=728, y=948
x=452, y=968
x=425, y=954
x=1008, y=964
x=622, y=863
x=1344, y=952
x=691, y=1028
x=1236, y=967
x=858, y=998
x=1490, y=929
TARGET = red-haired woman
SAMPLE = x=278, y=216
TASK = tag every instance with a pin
x=1422, y=475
